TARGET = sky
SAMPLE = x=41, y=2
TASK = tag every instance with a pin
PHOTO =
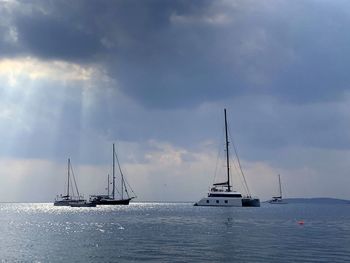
x=154, y=77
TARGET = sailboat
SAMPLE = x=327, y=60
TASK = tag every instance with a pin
x=278, y=199
x=113, y=199
x=72, y=197
x=222, y=194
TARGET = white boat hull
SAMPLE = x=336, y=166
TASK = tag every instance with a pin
x=220, y=201
x=69, y=202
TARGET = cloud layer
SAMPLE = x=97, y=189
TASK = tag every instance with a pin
x=179, y=54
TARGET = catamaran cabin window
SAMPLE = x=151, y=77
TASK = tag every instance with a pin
x=225, y=201
x=217, y=201
x=208, y=201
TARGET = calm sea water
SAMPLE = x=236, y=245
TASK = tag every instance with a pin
x=174, y=232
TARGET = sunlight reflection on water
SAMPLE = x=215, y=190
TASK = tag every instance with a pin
x=168, y=232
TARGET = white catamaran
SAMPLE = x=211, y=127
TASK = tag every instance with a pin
x=113, y=199
x=72, y=197
x=222, y=194
x=278, y=199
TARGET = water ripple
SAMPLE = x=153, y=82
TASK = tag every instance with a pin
x=174, y=232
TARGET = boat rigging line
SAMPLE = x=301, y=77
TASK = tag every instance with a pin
x=239, y=164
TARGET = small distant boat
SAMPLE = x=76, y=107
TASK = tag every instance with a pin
x=72, y=197
x=113, y=199
x=278, y=199
x=221, y=194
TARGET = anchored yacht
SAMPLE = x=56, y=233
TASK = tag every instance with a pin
x=107, y=199
x=72, y=197
x=278, y=199
x=221, y=197
x=222, y=194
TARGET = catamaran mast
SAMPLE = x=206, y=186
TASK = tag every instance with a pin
x=113, y=190
x=227, y=156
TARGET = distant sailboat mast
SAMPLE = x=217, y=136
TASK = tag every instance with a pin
x=123, y=184
x=68, y=174
x=108, y=185
x=122, y=178
x=227, y=156
x=75, y=182
x=279, y=181
x=70, y=169
x=113, y=191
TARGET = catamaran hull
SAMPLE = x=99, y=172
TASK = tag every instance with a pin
x=226, y=202
x=250, y=202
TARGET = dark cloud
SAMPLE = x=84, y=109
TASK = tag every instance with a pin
x=49, y=38
x=168, y=54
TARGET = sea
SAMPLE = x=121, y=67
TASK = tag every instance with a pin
x=174, y=232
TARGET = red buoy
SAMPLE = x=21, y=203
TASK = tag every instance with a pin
x=301, y=222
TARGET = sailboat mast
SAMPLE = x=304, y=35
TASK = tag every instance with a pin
x=113, y=190
x=227, y=156
x=108, y=185
x=68, y=177
x=279, y=181
x=122, y=186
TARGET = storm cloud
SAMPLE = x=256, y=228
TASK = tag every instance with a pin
x=169, y=54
